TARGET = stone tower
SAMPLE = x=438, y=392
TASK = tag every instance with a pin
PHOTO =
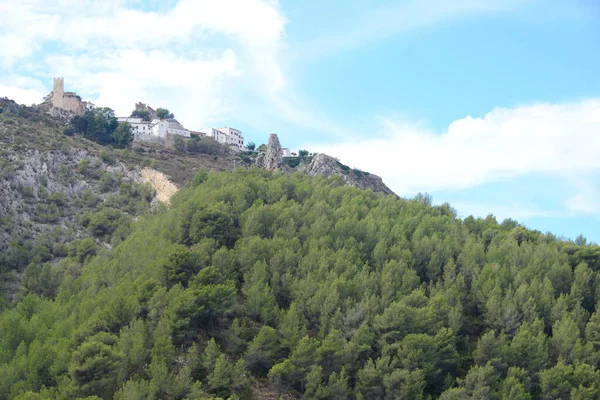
x=58, y=93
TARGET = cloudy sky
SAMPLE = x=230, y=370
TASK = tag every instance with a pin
x=493, y=106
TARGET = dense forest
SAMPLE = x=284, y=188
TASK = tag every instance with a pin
x=260, y=285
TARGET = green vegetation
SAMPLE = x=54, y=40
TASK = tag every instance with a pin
x=101, y=126
x=344, y=168
x=360, y=174
x=143, y=114
x=261, y=285
x=292, y=162
x=303, y=157
x=179, y=144
x=163, y=113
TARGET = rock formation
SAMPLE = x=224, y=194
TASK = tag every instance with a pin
x=272, y=159
x=322, y=164
x=8, y=107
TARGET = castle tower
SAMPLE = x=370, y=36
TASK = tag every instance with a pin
x=58, y=93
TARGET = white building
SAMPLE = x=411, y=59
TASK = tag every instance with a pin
x=229, y=136
x=144, y=130
x=286, y=152
x=138, y=126
x=160, y=128
x=217, y=135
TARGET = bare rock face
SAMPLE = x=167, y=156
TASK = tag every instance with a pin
x=273, y=157
x=322, y=164
x=165, y=189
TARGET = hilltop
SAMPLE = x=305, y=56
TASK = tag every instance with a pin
x=55, y=188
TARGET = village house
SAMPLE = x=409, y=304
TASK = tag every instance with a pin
x=228, y=136
x=151, y=130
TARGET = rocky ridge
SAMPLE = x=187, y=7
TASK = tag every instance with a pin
x=325, y=165
x=319, y=164
x=47, y=178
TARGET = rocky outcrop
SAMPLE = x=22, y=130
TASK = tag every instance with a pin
x=322, y=164
x=319, y=164
x=8, y=107
x=272, y=159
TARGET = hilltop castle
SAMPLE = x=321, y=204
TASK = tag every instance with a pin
x=70, y=101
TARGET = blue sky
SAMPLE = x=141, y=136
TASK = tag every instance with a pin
x=493, y=106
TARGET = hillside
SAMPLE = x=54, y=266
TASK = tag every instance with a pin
x=55, y=189
x=263, y=285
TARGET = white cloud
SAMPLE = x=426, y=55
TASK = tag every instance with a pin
x=587, y=196
x=183, y=57
x=515, y=210
x=579, y=203
x=557, y=139
x=24, y=96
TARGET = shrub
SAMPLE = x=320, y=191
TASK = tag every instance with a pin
x=27, y=192
x=107, y=182
x=107, y=157
x=58, y=198
x=292, y=162
x=178, y=144
x=344, y=168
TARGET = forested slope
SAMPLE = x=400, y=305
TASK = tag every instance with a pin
x=259, y=285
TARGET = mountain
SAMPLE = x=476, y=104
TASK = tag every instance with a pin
x=255, y=284
x=55, y=189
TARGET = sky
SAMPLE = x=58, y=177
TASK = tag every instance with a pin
x=492, y=106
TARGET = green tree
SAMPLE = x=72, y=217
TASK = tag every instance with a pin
x=179, y=144
x=96, y=366
x=282, y=375
x=515, y=385
x=98, y=125
x=481, y=383
x=143, y=114
x=401, y=384
x=181, y=265
x=123, y=135
x=213, y=222
x=565, y=335
x=264, y=351
x=163, y=113
x=529, y=347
